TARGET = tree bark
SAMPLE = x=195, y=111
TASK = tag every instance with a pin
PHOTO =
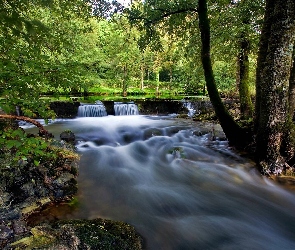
x=142, y=76
x=124, y=87
x=263, y=47
x=244, y=92
x=232, y=130
x=289, y=131
x=273, y=71
x=291, y=107
x=246, y=105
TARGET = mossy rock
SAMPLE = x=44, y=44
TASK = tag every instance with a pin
x=104, y=234
x=82, y=234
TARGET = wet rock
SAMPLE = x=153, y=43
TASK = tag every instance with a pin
x=287, y=181
x=19, y=227
x=5, y=232
x=62, y=179
x=28, y=189
x=68, y=136
x=32, y=205
x=13, y=214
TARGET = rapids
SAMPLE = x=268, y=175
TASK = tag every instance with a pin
x=179, y=189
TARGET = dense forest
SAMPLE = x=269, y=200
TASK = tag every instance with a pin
x=243, y=48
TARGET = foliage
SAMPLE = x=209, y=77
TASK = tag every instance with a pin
x=224, y=76
x=53, y=48
x=22, y=148
x=34, y=49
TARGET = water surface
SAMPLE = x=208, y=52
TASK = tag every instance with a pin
x=178, y=189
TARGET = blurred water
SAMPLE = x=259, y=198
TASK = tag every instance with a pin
x=128, y=108
x=96, y=110
x=179, y=190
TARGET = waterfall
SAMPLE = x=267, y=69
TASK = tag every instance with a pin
x=129, y=108
x=96, y=110
x=195, y=108
x=190, y=108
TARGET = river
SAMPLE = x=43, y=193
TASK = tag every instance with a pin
x=179, y=189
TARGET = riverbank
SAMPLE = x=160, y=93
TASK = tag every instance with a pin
x=27, y=187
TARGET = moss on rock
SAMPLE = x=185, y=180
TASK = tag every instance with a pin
x=82, y=234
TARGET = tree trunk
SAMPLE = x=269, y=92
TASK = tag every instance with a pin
x=291, y=108
x=141, y=77
x=246, y=105
x=263, y=46
x=273, y=75
x=289, y=131
x=232, y=130
x=243, y=67
x=124, y=87
x=158, y=81
x=170, y=76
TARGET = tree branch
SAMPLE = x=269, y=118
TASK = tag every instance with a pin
x=42, y=130
x=167, y=14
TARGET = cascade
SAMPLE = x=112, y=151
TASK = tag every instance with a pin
x=196, y=107
x=96, y=110
x=129, y=108
x=191, y=109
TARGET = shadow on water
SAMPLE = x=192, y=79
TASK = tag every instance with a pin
x=179, y=190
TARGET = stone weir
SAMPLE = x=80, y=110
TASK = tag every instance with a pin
x=150, y=107
x=65, y=109
x=142, y=107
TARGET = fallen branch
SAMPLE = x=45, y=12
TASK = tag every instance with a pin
x=42, y=130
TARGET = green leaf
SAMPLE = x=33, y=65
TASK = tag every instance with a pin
x=13, y=143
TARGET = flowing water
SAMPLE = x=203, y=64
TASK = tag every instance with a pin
x=179, y=189
x=125, y=108
x=96, y=110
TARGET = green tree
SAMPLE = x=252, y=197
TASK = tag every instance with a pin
x=122, y=54
x=235, y=34
x=34, y=46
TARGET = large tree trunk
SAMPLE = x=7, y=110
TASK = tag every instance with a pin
x=291, y=107
x=263, y=47
x=289, y=131
x=274, y=67
x=231, y=129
